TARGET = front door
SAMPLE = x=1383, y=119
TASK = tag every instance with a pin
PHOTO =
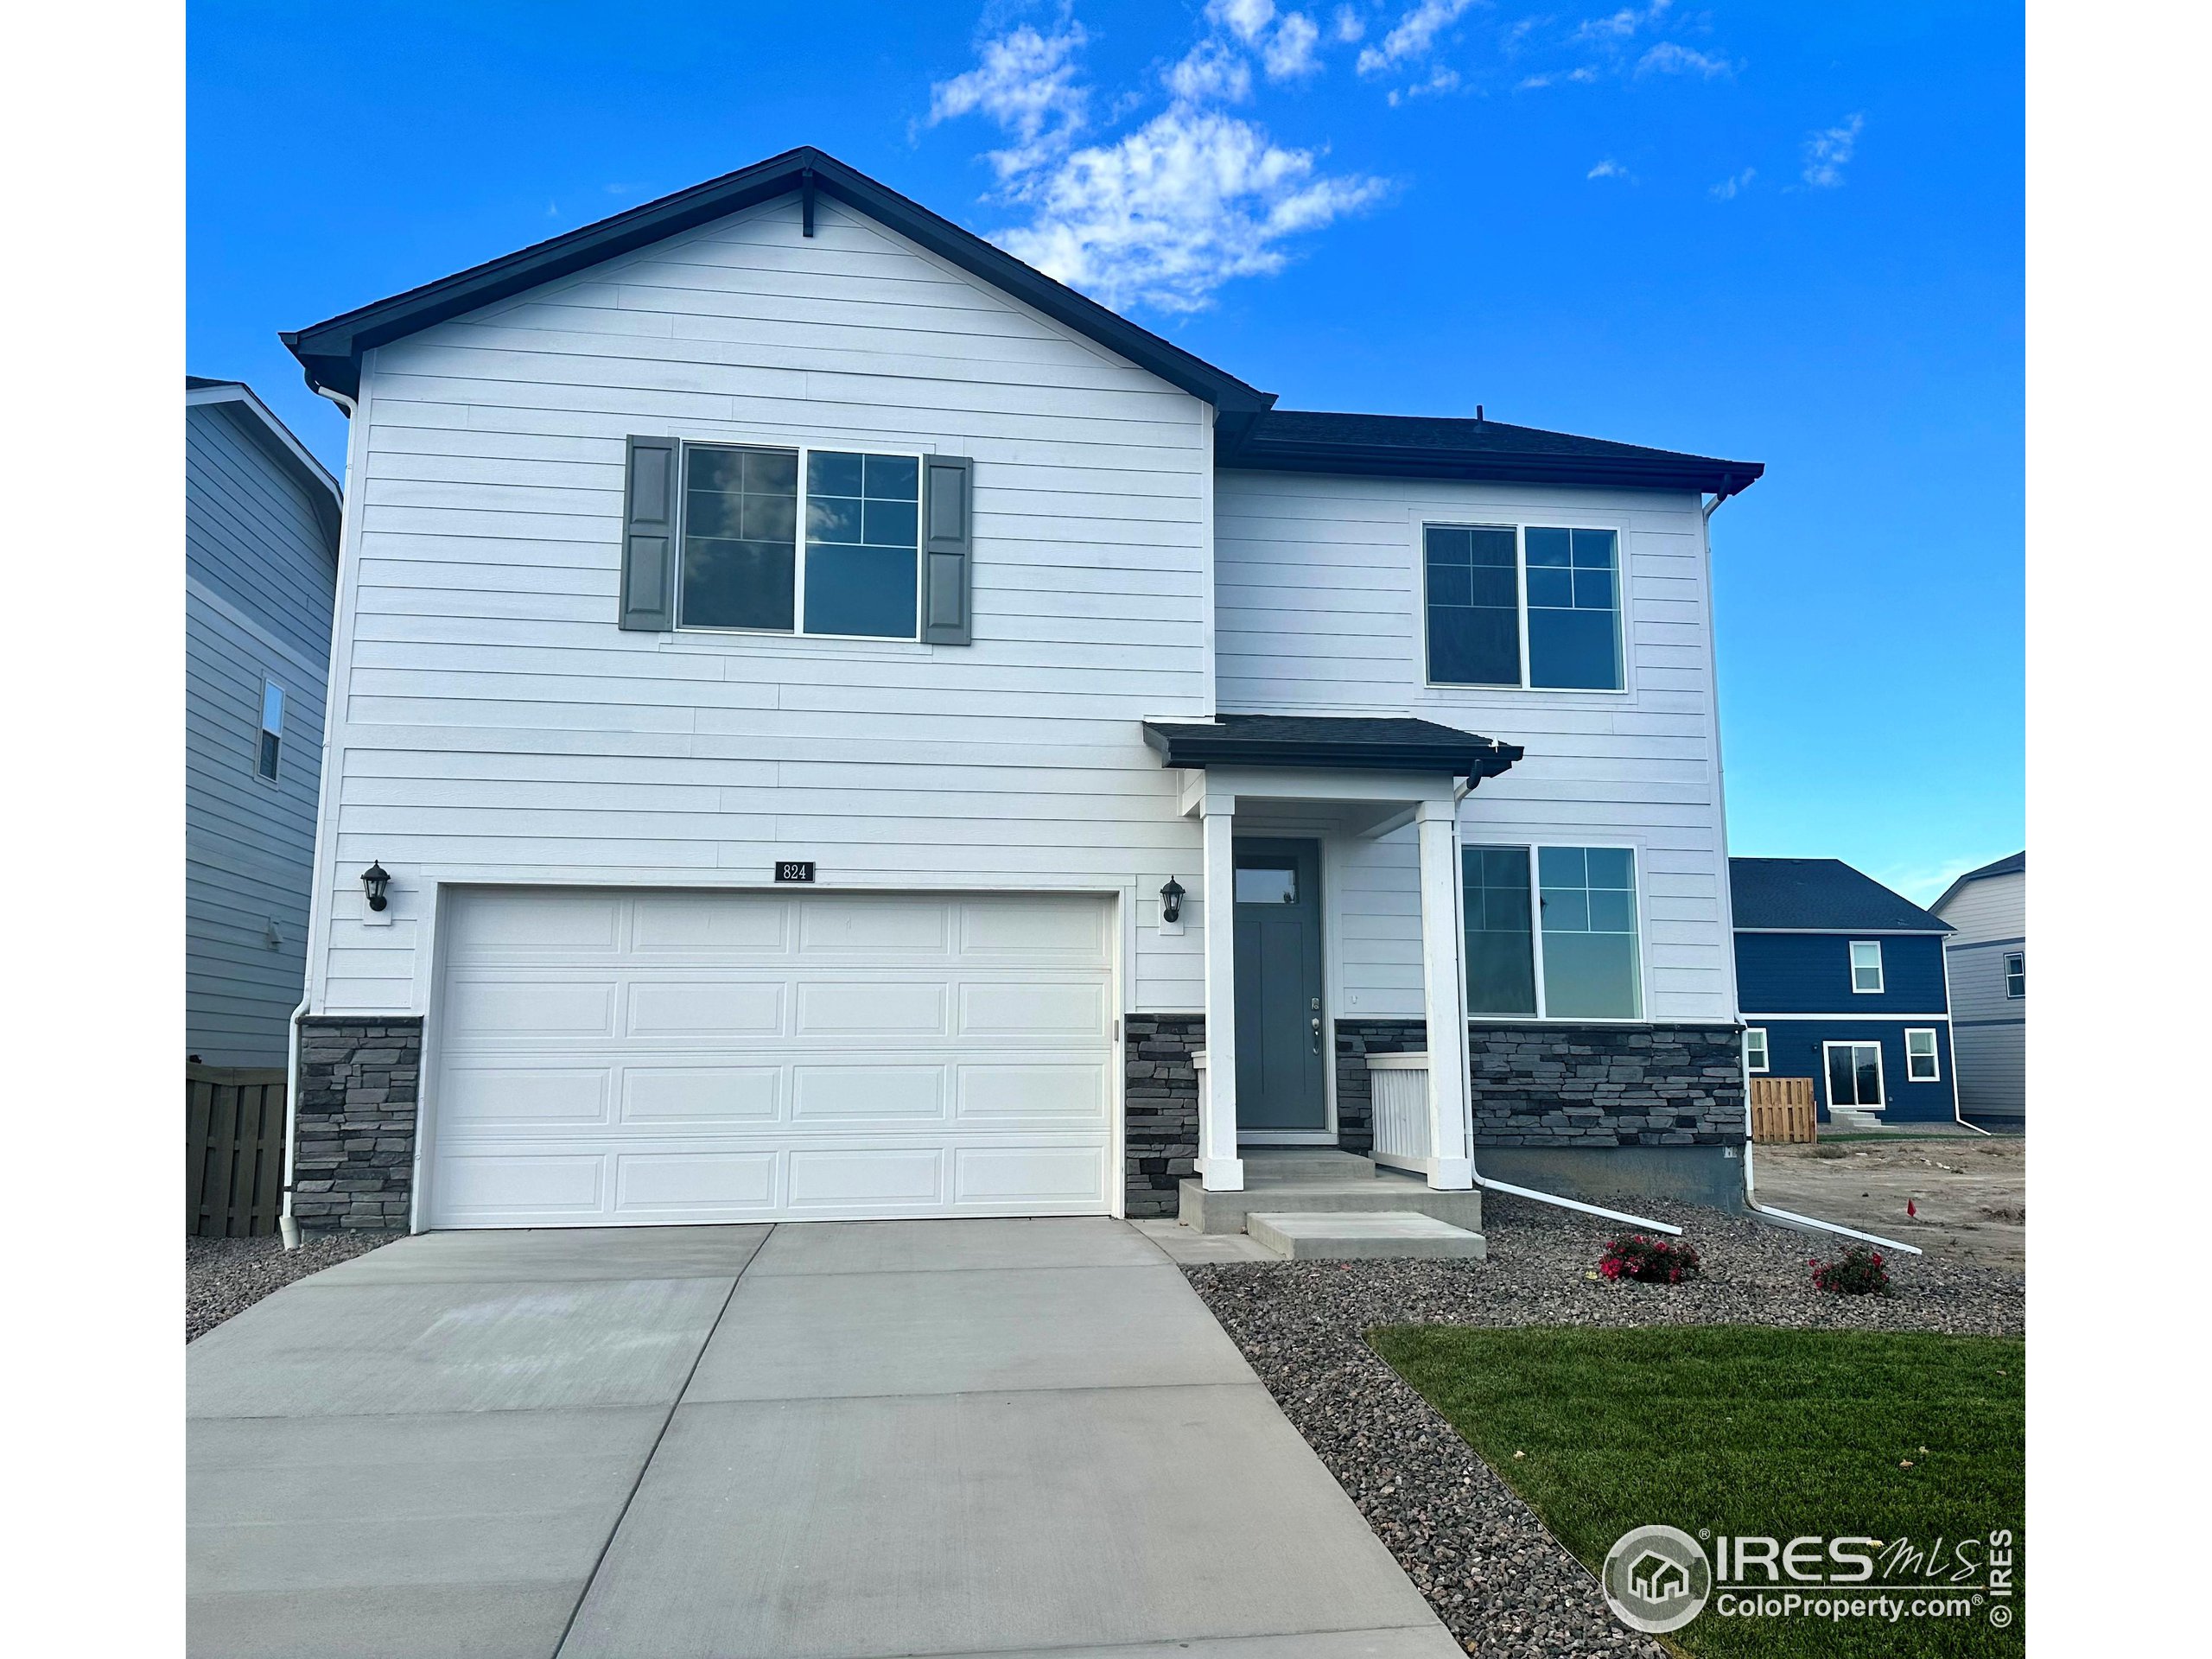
x=1280, y=1038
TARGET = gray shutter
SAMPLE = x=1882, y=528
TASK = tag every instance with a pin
x=648, y=537
x=948, y=504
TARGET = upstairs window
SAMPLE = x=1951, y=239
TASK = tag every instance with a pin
x=272, y=730
x=1533, y=606
x=2016, y=975
x=1572, y=954
x=841, y=555
x=1865, y=966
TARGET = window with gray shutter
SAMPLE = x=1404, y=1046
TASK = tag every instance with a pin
x=648, y=537
x=948, y=504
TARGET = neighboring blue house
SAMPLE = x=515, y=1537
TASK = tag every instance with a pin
x=1841, y=981
x=261, y=519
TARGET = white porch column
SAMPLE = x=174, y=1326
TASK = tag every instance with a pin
x=1219, y=1167
x=1449, y=1113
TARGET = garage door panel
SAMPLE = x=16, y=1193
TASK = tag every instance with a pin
x=706, y=1009
x=665, y=1056
x=674, y=1096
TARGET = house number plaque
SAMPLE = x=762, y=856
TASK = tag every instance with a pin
x=795, y=870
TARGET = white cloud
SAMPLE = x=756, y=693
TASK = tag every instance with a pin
x=1734, y=185
x=1415, y=33
x=1610, y=168
x=1442, y=80
x=1620, y=24
x=1668, y=58
x=1348, y=25
x=1169, y=214
x=1291, y=53
x=1828, y=150
x=1164, y=215
x=1027, y=84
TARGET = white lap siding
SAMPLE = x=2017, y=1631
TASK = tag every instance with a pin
x=1319, y=605
x=494, y=726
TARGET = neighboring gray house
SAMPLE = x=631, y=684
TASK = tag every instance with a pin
x=1986, y=961
x=261, y=522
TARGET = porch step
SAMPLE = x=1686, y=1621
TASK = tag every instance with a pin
x=1339, y=1236
x=1303, y=1164
x=1843, y=1119
x=1382, y=1190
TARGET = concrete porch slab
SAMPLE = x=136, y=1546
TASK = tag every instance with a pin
x=402, y=1537
x=1224, y=1212
x=830, y=1529
x=822, y=1335
x=1320, y=1236
x=312, y=1350
x=948, y=1246
x=552, y=1254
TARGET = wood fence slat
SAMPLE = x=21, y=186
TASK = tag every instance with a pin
x=1782, y=1111
x=234, y=1150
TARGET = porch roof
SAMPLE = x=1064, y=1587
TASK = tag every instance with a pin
x=1332, y=743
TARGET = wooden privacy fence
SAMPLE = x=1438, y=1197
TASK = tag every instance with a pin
x=233, y=1150
x=1782, y=1110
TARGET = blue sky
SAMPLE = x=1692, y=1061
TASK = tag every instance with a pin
x=1780, y=232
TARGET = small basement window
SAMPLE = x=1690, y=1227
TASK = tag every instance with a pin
x=1755, y=1058
x=1865, y=965
x=1920, y=1063
x=273, y=730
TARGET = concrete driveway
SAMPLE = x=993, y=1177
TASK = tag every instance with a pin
x=820, y=1441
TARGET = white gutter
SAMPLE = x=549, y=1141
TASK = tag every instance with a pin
x=1791, y=1219
x=287, y=1228
x=1490, y=1186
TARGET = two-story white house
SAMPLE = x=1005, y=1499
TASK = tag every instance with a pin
x=826, y=721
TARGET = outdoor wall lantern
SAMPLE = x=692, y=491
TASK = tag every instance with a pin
x=1171, y=902
x=376, y=878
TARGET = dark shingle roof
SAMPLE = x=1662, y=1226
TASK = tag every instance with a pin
x=1358, y=743
x=1289, y=440
x=1821, y=894
x=2012, y=864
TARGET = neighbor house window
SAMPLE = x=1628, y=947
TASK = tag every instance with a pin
x=2016, y=975
x=273, y=730
x=1920, y=1063
x=1533, y=606
x=801, y=541
x=1755, y=1048
x=1573, y=954
x=1854, y=1075
x=1865, y=965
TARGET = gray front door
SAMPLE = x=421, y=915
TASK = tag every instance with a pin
x=1280, y=1039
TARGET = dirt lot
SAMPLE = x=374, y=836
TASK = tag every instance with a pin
x=1971, y=1194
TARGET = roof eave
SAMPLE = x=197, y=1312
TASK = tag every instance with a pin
x=1698, y=474
x=1199, y=750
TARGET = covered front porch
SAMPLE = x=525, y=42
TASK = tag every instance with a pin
x=1284, y=802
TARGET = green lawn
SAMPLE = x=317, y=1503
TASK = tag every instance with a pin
x=1745, y=1429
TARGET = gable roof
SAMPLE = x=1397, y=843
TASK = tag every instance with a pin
x=2012, y=864
x=276, y=440
x=1820, y=895
x=331, y=350
x=1249, y=432
x=1400, y=445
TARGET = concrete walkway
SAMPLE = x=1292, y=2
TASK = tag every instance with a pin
x=820, y=1441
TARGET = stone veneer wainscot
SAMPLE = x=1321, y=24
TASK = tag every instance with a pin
x=360, y=1082
x=1160, y=1104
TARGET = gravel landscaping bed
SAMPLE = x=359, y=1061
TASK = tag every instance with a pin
x=1500, y=1581
x=224, y=1276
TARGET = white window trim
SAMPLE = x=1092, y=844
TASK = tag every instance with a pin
x=1881, y=1075
x=1429, y=682
x=1535, y=848
x=2005, y=966
x=1935, y=1054
x=1881, y=972
x=261, y=729
x=1766, y=1052
x=798, y=629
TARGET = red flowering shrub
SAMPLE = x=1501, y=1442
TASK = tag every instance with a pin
x=1858, y=1272
x=1649, y=1261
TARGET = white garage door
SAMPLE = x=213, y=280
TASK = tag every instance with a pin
x=655, y=1056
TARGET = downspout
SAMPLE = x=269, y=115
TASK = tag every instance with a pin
x=287, y=1228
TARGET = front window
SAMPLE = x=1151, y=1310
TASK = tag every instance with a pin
x=1920, y=1063
x=743, y=512
x=1573, y=954
x=1854, y=1076
x=1755, y=1048
x=1535, y=606
x=1865, y=966
x=2016, y=975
